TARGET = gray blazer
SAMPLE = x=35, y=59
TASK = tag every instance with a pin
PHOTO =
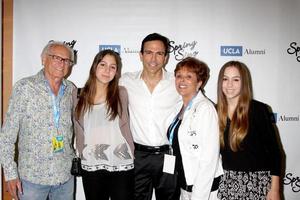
x=123, y=123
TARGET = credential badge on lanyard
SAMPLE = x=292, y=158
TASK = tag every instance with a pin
x=58, y=139
x=175, y=122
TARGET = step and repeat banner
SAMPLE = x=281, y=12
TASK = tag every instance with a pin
x=265, y=35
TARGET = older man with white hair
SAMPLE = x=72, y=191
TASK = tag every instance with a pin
x=39, y=120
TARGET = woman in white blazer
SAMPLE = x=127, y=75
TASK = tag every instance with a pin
x=194, y=135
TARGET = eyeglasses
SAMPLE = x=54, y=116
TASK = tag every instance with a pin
x=57, y=59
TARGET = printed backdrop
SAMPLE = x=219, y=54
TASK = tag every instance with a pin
x=263, y=34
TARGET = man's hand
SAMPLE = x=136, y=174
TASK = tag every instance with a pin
x=14, y=187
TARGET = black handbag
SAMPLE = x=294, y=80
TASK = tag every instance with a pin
x=76, y=169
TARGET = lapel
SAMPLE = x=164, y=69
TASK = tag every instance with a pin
x=191, y=109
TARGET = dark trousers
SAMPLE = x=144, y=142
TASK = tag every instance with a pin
x=148, y=175
x=102, y=185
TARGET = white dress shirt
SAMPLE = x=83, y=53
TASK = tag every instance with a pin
x=147, y=110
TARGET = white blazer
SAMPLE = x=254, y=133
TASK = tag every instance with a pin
x=198, y=137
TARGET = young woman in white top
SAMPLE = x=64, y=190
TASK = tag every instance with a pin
x=103, y=137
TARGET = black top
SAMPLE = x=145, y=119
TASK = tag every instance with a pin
x=260, y=148
x=176, y=151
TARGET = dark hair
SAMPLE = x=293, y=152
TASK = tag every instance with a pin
x=156, y=36
x=88, y=92
x=196, y=66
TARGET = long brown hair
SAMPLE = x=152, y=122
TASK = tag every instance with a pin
x=240, y=121
x=88, y=92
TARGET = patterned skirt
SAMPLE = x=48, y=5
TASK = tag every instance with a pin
x=237, y=185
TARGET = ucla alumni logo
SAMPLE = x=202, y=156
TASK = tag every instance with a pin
x=231, y=50
x=116, y=48
x=276, y=117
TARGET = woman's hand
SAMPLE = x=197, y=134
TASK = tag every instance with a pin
x=274, y=193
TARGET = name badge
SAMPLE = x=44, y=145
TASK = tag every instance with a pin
x=58, y=143
x=169, y=164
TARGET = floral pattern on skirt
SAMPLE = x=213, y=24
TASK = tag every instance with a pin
x=238, y=185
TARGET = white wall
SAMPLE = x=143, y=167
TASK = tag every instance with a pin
x=268, y=27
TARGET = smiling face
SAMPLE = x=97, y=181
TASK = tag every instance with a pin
x=153, y=56
x=106, y=69
x=56, y=69
x=231, y=83
x=187, y=84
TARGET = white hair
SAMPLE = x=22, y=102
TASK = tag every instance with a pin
x=52, y=44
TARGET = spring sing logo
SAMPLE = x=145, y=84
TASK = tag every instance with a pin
x=294, y=49
x=293, y=181
x=183, y=50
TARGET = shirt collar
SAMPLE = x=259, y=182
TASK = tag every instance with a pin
x=165, y=75
x=42, y=79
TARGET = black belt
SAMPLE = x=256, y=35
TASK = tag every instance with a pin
x=214, y=187
x=152, y=149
